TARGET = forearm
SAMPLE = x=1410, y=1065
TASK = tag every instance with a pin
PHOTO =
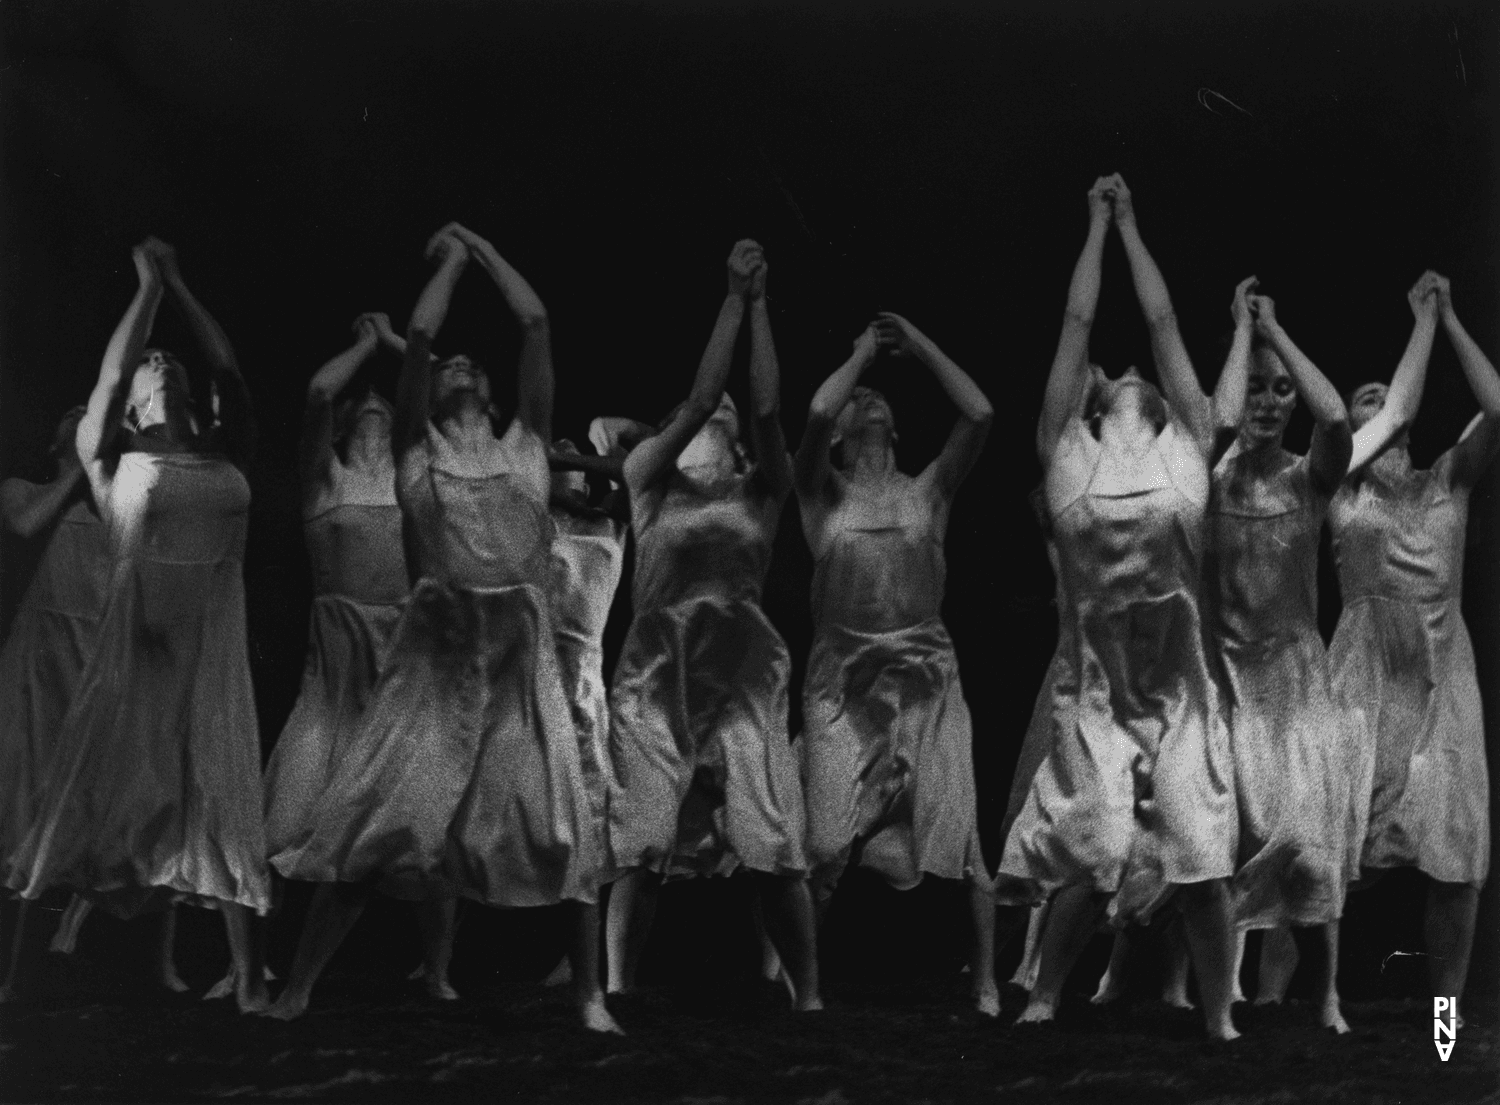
x=718, y=356
x=765, y=370
x=96, y=428
x=834, y=393
x=519, y=295
x=1150, y=285
x=334, y=376
x=428, y=315
x=1322, y=398
x=206, y=330
x=413, y=391
x=1477, y=369
x=30, y=510
x=612, y=467
x=1410, y=378
x=960, y=387
x=1083, y=289
x=1229, y=392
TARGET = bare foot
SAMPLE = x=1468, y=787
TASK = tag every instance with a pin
x=1333, y=1018
x=810, y=1004
x=223, y=988
x=441, y=990
x=596, y=1018
x=1037, y=1012
x=288, y=1007
x=171, y=980
x=1178, y=999
x=562, y=975
x=1109, y=990
x=63, y=942
x=418, y=973
x=253, y=998
x=1224, y=1030
x=987, y=1000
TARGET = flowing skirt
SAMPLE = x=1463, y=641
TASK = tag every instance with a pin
x=1136, y=794
x=582, y=662
x=705, y=777
x=1410, y=667
x=346, y=641
x=1299, y=767
x=462, y=778
x=887, y=756
x=40, y=666
x=154, y=790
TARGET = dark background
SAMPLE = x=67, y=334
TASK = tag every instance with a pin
x=930, y=159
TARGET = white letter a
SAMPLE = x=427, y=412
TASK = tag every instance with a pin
x=1444, y=1050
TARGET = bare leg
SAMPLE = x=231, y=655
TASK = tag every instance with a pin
x=11, y=987
x=982, y=954
x=1112, y=982
x=335, y=907
x=632, y=908
x=1238, y=994
x=771, y=968
x=1205, y=916
x=1332, y=1016
x=1179, y=961
x=1025, y=976
x=792, y=922
x=246, y=951
x=166, y=961
x=1070, y=925
x=65, y=940
x=1451, y=911
x=587, y=992
x=438, y=918
x=1278, y=962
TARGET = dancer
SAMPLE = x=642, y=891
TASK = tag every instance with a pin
x=352, y=526
x=49, y=641
x=887, y=754
x=1135, y=800
x=154, y=790
x=1294, y=751
x=706, y=780
x=1401, y=652
x=463, y=778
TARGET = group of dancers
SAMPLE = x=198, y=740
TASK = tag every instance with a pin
x=1196, y=753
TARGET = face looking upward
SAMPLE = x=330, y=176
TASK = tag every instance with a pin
x=457, y=377
x=866, y=410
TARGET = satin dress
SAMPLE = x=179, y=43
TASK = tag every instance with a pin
x=1402, y=653
x=1136, y=794
x=705, y=777
x=1056, y=695
x=463, y=779
x=359, y=585
x=154, y=791
x=590, y=553
x=887, y=753
x=43, y=659
x=1297, y=755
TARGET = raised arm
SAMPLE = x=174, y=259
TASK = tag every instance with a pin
x=29, y=508
x=225, y=398
x=414, y=390
x=1477, y=447
x=1332, y=442
x=1174, y=369
x=560, y=461
x=1405, y=395
x=1069, y=375
x=316, y=451
x=773, y=464
x=100, y=423
x=653, y=458
x=534, y=375
x=1229, y=392
x=975, y=415
x=812, y=471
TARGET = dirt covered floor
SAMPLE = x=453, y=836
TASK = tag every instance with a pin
x=704, y=1030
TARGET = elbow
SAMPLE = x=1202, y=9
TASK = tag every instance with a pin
x=982, y=414
x=534, y=320
x=1161, y=319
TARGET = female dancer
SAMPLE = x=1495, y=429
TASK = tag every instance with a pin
x=1294, y=754
x=1401, y=651
x=706, y=780
x=49, y=641
x=887, y=753
x=154, y=790
x=1135, y=798
x=463, y=778
x=353, y=530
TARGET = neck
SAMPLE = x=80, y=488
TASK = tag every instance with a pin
x=1129, y=434
x=369, y=450
x=869, y=457
x=1394, y=462
x=1260, y=454
x=467, y=428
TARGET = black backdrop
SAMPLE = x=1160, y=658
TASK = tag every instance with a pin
x=925, y=158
